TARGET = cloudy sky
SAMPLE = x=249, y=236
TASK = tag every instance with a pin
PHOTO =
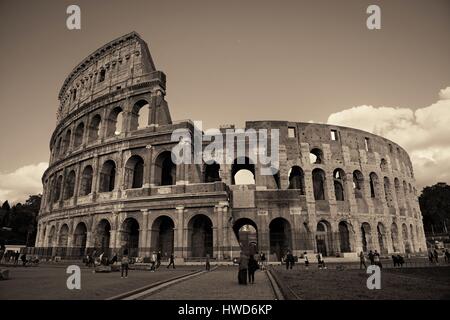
x=231, y=61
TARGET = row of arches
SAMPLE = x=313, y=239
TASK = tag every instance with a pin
x=114, y=124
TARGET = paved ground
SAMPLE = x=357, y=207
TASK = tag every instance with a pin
x=397, y=284
x=220, y=284
x=49, y=282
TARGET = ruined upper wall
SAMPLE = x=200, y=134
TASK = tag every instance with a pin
x=118, y=64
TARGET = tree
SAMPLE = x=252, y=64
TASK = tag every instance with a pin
x=5, y=212
x=435, y=206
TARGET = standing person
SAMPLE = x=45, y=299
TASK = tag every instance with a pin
x=430, y=256
x=377, y=260
x=2, y=252
x=252, y=267
x=158, y=259
x=320, y=261
x=24, y=259
x=263, y=261
x=305, y=258
x=124, y=264
x=16, y=258
x=371, y=256
x=447, y=256
x=153, y=261
x=362, y=260
x=207, y=263
x=289, y=260
x=436, y=256
x=114, y=258
x=243, y=267
x=171, y=261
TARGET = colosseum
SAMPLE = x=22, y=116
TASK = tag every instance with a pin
x=111, y=183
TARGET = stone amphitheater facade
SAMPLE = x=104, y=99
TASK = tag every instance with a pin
x=111, y=183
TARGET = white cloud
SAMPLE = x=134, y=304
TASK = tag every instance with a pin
x=16, y=186
x=424, y=133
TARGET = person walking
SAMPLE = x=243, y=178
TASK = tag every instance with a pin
x=305, y=258
x=171, y=261
x=447, y=256
x=153, y=262
x=430, y=256
x=158, y=259
x=362, y=260
x=124, y=264
x=243, y=267
x=252, y=267
x=320, y=261
x=377, y=260
x=207, y=263
x=371, y=256
x=263, y=261
x=436, y=256
x=289, y=260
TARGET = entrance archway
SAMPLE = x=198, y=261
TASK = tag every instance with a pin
x=200, y=236
x=366, y=237
x=280, y=237
x=130, y=236
x=344, y=237
x=103, y=236
x=324, y=238
x=79, y=239
x=163, y=235
x=246, y=233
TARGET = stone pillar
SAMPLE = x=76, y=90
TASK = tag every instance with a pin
x=144, y=251
x=180, y=235
x=218, y=238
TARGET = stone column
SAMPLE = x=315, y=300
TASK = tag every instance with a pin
x=180, y=236
x=144, y=251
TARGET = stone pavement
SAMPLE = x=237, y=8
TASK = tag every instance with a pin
x=47, y=282
x=220, y=284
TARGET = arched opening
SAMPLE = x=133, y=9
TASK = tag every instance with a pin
x=324, y=238
x=318, y=177
x=394, y=237
x=94, y=128
x=108, y=176
x=86, y=181
x=134, y=172
x=387, y=191
x=140, y=115
x=344, y=237
x=163, y=235
x=66, y=142
x=316, y=156
x=246, y=233
x=78, y=137
x=69, y=188
x=200, y=236
x=405, y=237
x=280, y=237
x=381, y=232
x=58, y=187
x=58, y=148
x=358, y=184
x=338, y=180
x=115, y=122
x=243, y=171
x=63, y=241
x=373, y=185
x=165, y=170
x=51, y=237
x=297, y=179
x=366, y=238
x=103, y=236
x=383, y=165
x=130, y=236
x=79, y=239
x=212, y=172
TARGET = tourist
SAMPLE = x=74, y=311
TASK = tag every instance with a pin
x=447, y=256
x=243, y=266
x=263, y=261
x=24, y=259
x=252, y=267
x=114, y=258
x=158, y=259
x=377, y=260
x=207, y=263
x=124, y=264
x=289, y=260
x=171, y=261
x=16, y=258
x=320, y=261
x=153, y=261
x=430, y=256
x=436, y=256
x=305, y=258
x=362, y=260
x=371, y=257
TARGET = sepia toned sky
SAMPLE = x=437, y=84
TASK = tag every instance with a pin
x=231, y=61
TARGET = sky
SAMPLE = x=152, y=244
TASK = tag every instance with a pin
x=231, y=61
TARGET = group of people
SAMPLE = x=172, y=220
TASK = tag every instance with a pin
x=155, y=260
x=374, y=258
x=247, y=268
x=290, y=260
x=12, y=257
x=433, y=256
